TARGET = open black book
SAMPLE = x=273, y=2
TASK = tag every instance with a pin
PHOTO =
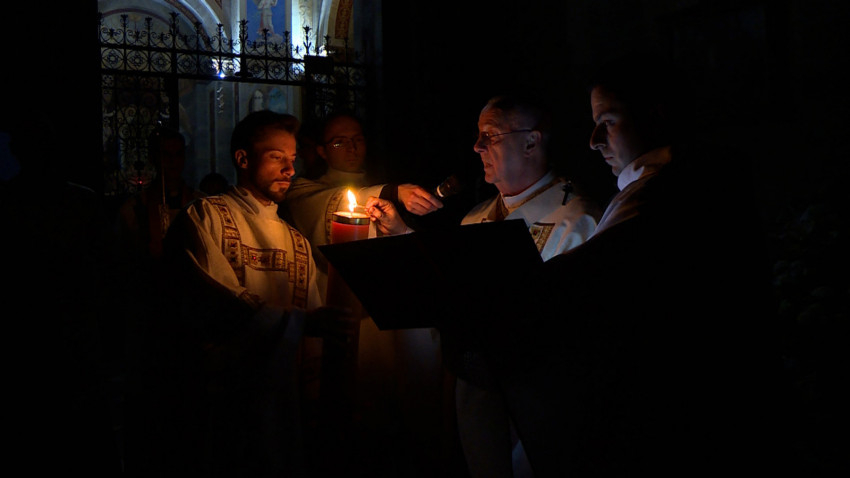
x=427, y=278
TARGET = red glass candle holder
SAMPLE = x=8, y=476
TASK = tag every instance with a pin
x=349, y=226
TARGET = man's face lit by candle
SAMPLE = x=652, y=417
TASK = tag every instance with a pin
x=269, y=164
x=501, y=145
x=615, y=134
x=344, y=145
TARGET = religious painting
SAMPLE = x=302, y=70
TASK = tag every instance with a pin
x=265, y=15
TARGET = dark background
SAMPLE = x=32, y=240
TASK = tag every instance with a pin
x=768, y=76
x=770, y=84
x=770, y=92
x=767, y=79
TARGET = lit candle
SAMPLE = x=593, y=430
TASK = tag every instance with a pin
x=349, y=225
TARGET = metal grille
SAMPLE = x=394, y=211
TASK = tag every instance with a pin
x=140, y=69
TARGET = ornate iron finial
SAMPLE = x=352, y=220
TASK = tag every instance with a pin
x=174, y=25
x=307, y=44
x=243, y=32
x=287, y=42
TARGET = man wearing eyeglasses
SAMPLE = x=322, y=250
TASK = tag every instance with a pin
x=645, y=350
x=310, y=203
x=512, y=142
x=309, y=206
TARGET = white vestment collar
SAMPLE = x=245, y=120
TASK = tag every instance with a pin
x=252, y=205
x=513, y=202
x=645, y=165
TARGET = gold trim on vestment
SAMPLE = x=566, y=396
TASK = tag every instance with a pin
x=333, y=206
x=540, y=232
x=231, y=243
x=302, y=268
x=240, y=255
x=500, y=210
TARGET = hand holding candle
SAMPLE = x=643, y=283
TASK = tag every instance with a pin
x=385, y=216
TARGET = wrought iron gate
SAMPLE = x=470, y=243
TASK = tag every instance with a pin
x=140, y=70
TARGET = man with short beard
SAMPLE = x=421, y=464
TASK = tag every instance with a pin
x=247, y=295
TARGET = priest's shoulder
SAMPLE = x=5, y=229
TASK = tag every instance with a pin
x=307, y=183
x=481, y=207
x=304, y=188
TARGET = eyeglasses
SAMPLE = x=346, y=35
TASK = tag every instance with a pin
x=346, y=143
x=486, y=139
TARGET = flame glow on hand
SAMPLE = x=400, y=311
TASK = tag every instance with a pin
x=352, y=201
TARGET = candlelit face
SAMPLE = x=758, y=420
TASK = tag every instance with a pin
x=344, y=145
x=615, y=134
x=268, y=167
x=502, y=147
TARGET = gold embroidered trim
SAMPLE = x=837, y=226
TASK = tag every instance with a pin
x=264, y=259
x=332, y=207
x=540, y=232
x=301, y=269
x=240, y=255
x=231, y=243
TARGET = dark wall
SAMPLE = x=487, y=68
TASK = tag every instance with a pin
x=766, y=77
x=771, y=85
x=50, y=72
x=770, y=92
x=772, y=73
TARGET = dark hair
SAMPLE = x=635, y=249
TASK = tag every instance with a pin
x=254, y=125
x=650, y=88
x=526, y=107
x=334, y=116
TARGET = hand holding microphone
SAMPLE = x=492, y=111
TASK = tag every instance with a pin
x=421, y=201
x=449, y=187
x=417, y=199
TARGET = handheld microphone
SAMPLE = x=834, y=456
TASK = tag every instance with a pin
x=449, y=187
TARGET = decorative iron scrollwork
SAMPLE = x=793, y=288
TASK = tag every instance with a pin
x=138, y=65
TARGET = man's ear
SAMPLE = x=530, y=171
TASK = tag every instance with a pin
x=533, y=140
x=241, y=157
x=320, y=150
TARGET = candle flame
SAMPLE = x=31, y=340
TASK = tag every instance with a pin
x=352, y=201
